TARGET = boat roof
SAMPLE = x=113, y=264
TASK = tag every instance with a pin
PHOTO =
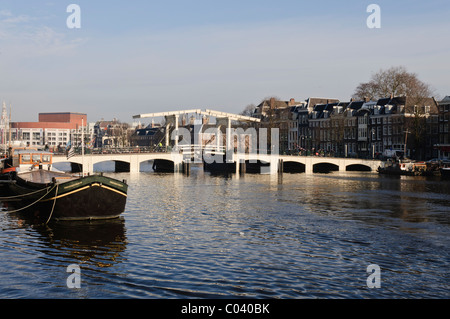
x=45, y=176
x=32, y=151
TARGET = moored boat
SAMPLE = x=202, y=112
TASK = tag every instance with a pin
x=394, y=167
x=403, y=167
x=44, y=194
x=415, y=168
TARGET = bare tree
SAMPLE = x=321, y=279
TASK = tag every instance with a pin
x=396, y=81
x=249, y=109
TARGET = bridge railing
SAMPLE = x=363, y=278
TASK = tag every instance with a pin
x=122, y=150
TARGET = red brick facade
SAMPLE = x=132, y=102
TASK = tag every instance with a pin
x=55, y=121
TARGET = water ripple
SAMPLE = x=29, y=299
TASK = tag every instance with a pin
x=206, y=236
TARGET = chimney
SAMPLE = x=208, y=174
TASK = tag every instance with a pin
x=272, y=102
x=291, y=102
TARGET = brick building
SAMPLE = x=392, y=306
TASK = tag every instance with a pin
x=54, y=130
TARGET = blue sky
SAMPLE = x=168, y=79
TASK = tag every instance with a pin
x=132, y=57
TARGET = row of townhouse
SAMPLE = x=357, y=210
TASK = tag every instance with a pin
x=360, y=128
x=443, y=145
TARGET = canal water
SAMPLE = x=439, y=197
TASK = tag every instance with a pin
x=254, y=236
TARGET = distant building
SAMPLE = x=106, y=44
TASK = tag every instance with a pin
x=443, y=145
x=54, y=130
x=113, y=134
x=305, y=129
x=101, y=133
x=360, y=128
x=282, y=115
x=364, y=145
x=147, y=137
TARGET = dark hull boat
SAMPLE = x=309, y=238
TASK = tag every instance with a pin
x=48, y=195
x=403, y=168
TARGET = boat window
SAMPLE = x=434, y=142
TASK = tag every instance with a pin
x=36, y=158
x=46, y=158
x=26, y=158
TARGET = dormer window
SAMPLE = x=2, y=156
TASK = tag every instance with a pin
x=388, y=109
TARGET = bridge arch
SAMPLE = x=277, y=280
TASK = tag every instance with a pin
x=358, y=168
x=161, y=165
x=252, y=166
x=118, y=166
x=68, y=166
x=325, y=167
x=156, y=164
x=120, y=162
x=293, y=167
x=173, y=162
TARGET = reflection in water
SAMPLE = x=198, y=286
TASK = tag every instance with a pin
x=411, y=199
x=205, y=236
x=98, y=242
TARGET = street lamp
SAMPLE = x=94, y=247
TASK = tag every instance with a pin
x=373, y=144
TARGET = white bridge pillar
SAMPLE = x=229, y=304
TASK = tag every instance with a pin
x=342, y=166
x=87, y=165
x=308, y=165
x=134, y=164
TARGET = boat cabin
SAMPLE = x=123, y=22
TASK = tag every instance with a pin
x=26, y=159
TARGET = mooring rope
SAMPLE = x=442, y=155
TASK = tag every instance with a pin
x=23, y=195
x=53, y=207
x=28, y=206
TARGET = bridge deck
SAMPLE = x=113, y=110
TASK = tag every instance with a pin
x=135, y=159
